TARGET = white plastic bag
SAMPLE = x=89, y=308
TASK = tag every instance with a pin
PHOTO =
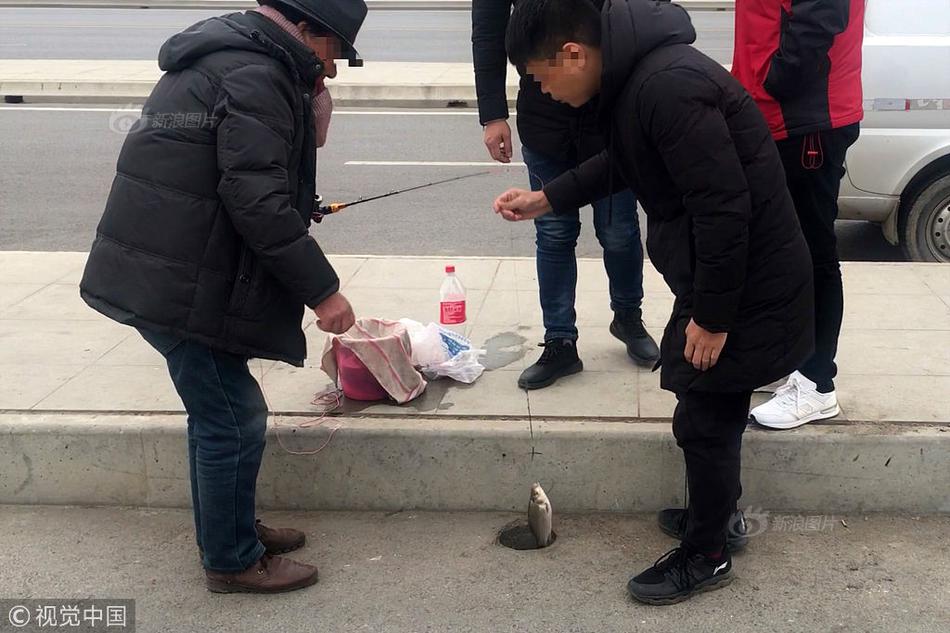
x=463, y=367
x=427, y=345
x=439, y=352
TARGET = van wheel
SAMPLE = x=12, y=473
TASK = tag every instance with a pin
x=925, y=222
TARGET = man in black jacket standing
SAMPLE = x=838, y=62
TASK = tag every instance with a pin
x=204, y=247
x=555, y=138
x=722, y=231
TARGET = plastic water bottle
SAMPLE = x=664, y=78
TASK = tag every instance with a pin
x=452, y=301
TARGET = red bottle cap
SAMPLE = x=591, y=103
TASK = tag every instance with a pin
x=450, y=269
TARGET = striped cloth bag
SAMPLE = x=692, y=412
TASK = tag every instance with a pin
x=373, y=360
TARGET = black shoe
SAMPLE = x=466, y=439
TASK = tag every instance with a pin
x=628, y=327
x=679, y=574
x=673, y=523
x=559, y=359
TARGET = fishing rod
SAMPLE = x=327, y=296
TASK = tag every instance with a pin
x=335, y=207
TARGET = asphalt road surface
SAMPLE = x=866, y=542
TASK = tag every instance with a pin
x=407, y=572
x=410, y=36
x=57, y=164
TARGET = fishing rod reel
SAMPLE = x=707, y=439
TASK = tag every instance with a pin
x=324, y=210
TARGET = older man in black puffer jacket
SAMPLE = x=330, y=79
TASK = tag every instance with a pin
x=204, y=247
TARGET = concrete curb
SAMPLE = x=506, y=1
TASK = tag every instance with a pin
x=378, y=84
x=344, y=94
x=465, y=464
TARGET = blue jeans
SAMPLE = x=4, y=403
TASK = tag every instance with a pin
x=227, y=419
x=618, y=233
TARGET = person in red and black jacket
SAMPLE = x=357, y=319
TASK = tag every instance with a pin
x=801, y=62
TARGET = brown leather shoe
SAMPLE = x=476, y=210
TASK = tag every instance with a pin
x=275, y=541
x=271, y=574
x=280, y=540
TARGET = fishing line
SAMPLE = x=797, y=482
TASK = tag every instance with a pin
x=330, y=400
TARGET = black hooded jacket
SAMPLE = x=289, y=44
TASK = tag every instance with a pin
x=722, y=228
x=553, y=129
x=205, y=232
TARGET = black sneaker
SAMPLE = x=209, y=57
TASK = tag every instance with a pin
x=559, y=359
x=673, y=523
x=679, y=574
x=628, y=327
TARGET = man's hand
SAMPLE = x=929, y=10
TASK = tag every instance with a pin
x=335, y=314
x=516, y=205
x=498, y=140
x=703, y=347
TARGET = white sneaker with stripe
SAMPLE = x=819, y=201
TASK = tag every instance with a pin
x=795, y=404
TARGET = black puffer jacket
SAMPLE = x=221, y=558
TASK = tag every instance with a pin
x=553, y=129
x=722, y=227
x=205, y=233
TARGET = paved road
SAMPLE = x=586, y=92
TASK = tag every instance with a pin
x=409, y=572
x=418, y=36
x=56, y=168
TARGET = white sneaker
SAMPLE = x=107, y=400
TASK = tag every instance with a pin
x=772, y=387
x=796, y=403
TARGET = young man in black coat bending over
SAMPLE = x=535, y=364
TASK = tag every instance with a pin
x=722, y=231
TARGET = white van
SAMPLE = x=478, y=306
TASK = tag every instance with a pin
x=899, y=170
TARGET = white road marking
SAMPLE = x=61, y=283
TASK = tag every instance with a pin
x=58, y=109
x=408, y=112
x=420, y=163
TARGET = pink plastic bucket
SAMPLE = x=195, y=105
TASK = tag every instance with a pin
x=357, y=382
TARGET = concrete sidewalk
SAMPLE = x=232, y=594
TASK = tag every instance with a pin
x=376, y=84
x=412, y=572
x=88, y=414
x=59, y=355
